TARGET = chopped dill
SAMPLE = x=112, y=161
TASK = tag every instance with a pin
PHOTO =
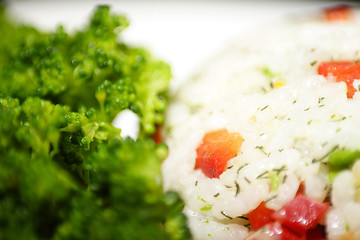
x=264, y=108
x=271, y=198
x=278, y=170
x=262, y=174
x=201, y=199
x=261, y=148
x=284, y=178
x=313, y=63
x=237, y=189
x=242, y=166
x=225, y=215
x=325, y=156
x=247, y=180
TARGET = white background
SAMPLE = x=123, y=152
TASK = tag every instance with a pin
x=183, y=33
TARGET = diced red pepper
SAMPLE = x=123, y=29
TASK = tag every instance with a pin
x=337, y=13
x=275, y=231
x=343, y=71
x=157, y=136
x=317, y=233
x=215, y=150
x=260, y=216
x=301, y=214
x=334, y=67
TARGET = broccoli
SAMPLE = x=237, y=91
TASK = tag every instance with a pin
x=65, y=171
x=69, y=69
x=153, y=213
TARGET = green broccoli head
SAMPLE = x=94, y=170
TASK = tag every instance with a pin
x=61, y=157
x=10, y=115
x=115, y=97
x=71, y=69
x=28, y=174
x=33, y=126
x=127, y=209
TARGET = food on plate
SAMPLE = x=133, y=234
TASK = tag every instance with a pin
x=66, y=170
x=264, y=141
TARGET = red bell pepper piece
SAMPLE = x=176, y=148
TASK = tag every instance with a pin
x=215, y=150
x=343, y=71
x=260, y=216
x=157, y=136
x=317, y=233
x=275, y=231
x=337, y=13
x=301, y=214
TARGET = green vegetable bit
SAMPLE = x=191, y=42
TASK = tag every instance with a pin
x=65, y=171
x=341, y=159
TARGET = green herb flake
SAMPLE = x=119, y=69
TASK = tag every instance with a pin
x=262, y=174
x=271, y=198
x=262, y=109
x=247, y=180
x=201, y=199
x=242, y=166
x=237, y=189
x=320, y=99
x=269, y=73
x=225, y=215
x=206, y=207
x=274, y=181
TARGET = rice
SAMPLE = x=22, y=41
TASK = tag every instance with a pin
x=268, y=89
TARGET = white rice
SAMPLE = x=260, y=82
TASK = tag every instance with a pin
x=285, y=128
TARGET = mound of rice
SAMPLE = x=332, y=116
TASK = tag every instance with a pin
x=267, y=88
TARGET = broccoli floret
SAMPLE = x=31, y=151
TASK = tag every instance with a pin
x=154, y=215
x=65, y=171
x=124, y=195
x=9, y=116
x=69, y=69
x=115, y=97
x=29, y=176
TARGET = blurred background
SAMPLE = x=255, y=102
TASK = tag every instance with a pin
x=183, y=33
